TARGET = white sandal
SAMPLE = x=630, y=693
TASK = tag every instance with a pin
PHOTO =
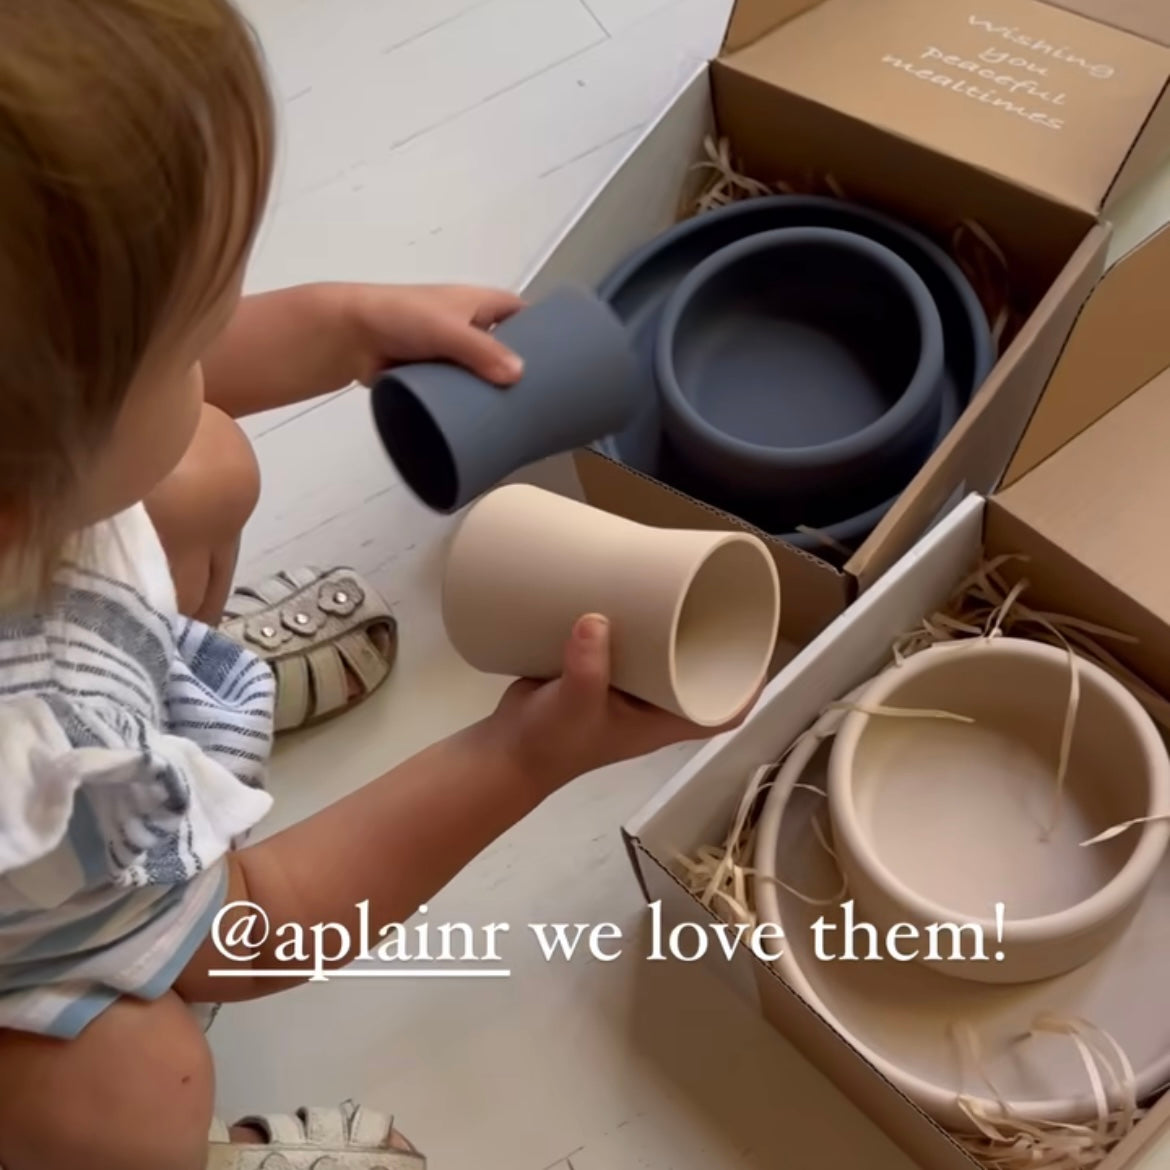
x=315, y=629
x=348, y=1137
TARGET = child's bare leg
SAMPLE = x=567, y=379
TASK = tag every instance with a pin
x=199, y=512
x=134, y=1091
x=201, y=508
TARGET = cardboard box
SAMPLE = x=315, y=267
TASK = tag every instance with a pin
x=1033, y=119
x=1148, y=1147
x=1089, y=515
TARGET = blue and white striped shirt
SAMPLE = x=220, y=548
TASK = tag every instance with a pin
x=133, y=746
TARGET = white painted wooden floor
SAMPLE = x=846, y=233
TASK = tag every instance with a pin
x=450, y=139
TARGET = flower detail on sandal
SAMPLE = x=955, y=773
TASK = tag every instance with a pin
x=330, y=639
x=303, y=620
x=340, y=596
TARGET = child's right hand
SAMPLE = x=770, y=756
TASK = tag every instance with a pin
x=555, y=731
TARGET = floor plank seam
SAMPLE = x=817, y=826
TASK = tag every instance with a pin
x=426, y=32
x=596, y=18
x=626, y=133
x=489, y=98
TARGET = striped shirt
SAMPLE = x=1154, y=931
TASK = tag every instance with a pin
x=133, y=746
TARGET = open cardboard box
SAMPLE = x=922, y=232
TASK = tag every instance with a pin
x=1084, y=502
x=1033, y=119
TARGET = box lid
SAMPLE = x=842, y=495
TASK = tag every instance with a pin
x=1149, y=19
x=751, y=19
x=1102, y=500
x=1091, y=475
x=1066, y=98
x=1120, y=342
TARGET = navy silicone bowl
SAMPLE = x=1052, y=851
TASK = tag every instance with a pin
x=800, y=365
x=640, y=286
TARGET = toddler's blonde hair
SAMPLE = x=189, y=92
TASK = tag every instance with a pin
x=136, y=141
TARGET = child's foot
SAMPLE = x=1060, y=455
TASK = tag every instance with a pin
x=346, y=1138
x=330, y=639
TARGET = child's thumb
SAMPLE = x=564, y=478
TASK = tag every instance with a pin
x=586, y=664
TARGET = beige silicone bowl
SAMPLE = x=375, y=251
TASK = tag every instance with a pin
x=936, y=820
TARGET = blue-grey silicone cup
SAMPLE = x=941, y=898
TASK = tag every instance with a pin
x=453, y=436
x=802, y=364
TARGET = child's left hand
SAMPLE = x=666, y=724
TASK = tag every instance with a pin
x=411, y=323
x=297, y=343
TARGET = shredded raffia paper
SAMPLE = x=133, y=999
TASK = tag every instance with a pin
x=972, y=247
x=977, y=253
x=727, y=184
x=877, y=711
x=1124, y=827
x=985, y=605
x=826, y=540
x=1008, y=1141
x=718, y=875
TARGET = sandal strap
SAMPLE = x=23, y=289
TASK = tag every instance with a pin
x=339, y=1127
x=362, y=657
x=278, y=1129
x=294, y=697
x=259, y=1157
x=330, y=685
x=337, y=1138
x=324, y=1127
x=314, y=684
x=368, y=1127
x=257, y=596
x=310, y=626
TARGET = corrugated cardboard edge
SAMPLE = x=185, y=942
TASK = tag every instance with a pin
x=634, y=854
x=1154, y=1130
x=1120, y=342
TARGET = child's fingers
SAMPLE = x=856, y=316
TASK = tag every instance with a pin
x=480, y=352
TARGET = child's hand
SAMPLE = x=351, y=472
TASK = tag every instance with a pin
x=413, y=323
x=558, y=730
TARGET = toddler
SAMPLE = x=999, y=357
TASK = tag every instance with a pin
x=135, y=155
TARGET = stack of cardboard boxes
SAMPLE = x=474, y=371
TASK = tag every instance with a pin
x=1044, y=123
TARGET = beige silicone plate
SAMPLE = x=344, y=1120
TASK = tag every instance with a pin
x=898, y=1014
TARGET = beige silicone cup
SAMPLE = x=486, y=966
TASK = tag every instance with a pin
x=935, y=821
x=694, y=616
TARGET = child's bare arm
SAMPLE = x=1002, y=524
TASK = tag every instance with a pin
x=393, y=844
x=398, y=841
x=297, y=343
